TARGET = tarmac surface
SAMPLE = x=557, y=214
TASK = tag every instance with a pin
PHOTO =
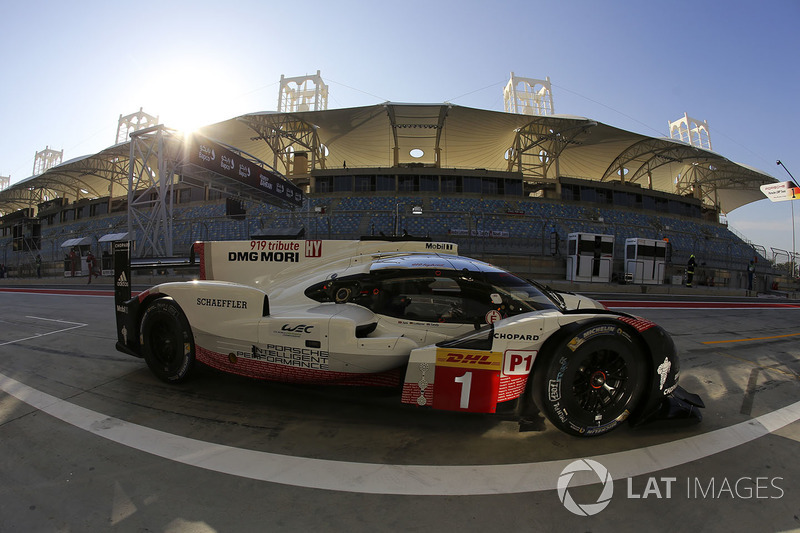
x=90, y=440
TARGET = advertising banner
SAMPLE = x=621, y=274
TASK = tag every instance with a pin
x=210, y=155
x=779, y=192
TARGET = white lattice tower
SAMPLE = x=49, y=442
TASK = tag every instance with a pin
x=303, y=93
x=45, y=159
x=692, y=131
x=528, y=96
x=134, y=122
x=5, y=181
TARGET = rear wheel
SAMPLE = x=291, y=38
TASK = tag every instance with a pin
x=591, y=381
x=168, y=346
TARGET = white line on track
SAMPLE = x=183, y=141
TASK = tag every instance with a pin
x=75, y=325
x=56, y=320
x=392, y=479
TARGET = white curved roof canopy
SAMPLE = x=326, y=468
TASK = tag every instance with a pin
x=542, y=148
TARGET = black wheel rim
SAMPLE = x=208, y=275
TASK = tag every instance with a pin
x=600, y=384
x=164, y=345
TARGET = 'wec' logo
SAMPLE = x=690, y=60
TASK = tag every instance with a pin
x=300, y=328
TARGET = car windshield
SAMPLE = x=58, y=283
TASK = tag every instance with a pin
x=520, y=291
x=436, y=295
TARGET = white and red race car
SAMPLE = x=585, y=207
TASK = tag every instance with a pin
x=453, y=333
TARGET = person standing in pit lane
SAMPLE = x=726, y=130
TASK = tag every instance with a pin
x=91, y=261
x=690, y=270
x=73, y=262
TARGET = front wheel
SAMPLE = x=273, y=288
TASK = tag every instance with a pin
x=591, y=381
x=168, y=346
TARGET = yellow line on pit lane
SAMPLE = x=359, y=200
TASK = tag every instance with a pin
x=752, y=339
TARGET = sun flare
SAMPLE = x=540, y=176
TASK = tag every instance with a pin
x=188, y=97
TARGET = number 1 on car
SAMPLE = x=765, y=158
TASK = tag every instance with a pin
x=466, y=384
x=457, y=389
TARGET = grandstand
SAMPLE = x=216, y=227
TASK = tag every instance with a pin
x=508, y=187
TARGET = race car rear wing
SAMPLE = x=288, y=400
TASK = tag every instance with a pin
x=123, y=265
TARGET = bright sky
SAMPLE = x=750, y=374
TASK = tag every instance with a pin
x=70, y=69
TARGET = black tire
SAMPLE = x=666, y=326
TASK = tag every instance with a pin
x=592, y=380
x=168, y=346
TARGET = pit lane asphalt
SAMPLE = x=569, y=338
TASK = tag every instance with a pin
x=59, y=473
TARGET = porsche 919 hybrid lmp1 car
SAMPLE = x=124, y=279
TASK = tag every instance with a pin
x=453, y=333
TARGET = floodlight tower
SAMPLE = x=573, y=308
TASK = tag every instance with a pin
x=692, y=131
x=528, y=96
x=303, y=93
x=45, y=159
x=134, y=122
x=535, y=149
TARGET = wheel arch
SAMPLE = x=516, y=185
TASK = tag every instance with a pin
x=559, y=336
x=137, y=307
x=644, y=347
x=146, y=300
x=129, y=328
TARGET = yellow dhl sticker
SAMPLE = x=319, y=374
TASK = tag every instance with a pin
x=469, y=359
